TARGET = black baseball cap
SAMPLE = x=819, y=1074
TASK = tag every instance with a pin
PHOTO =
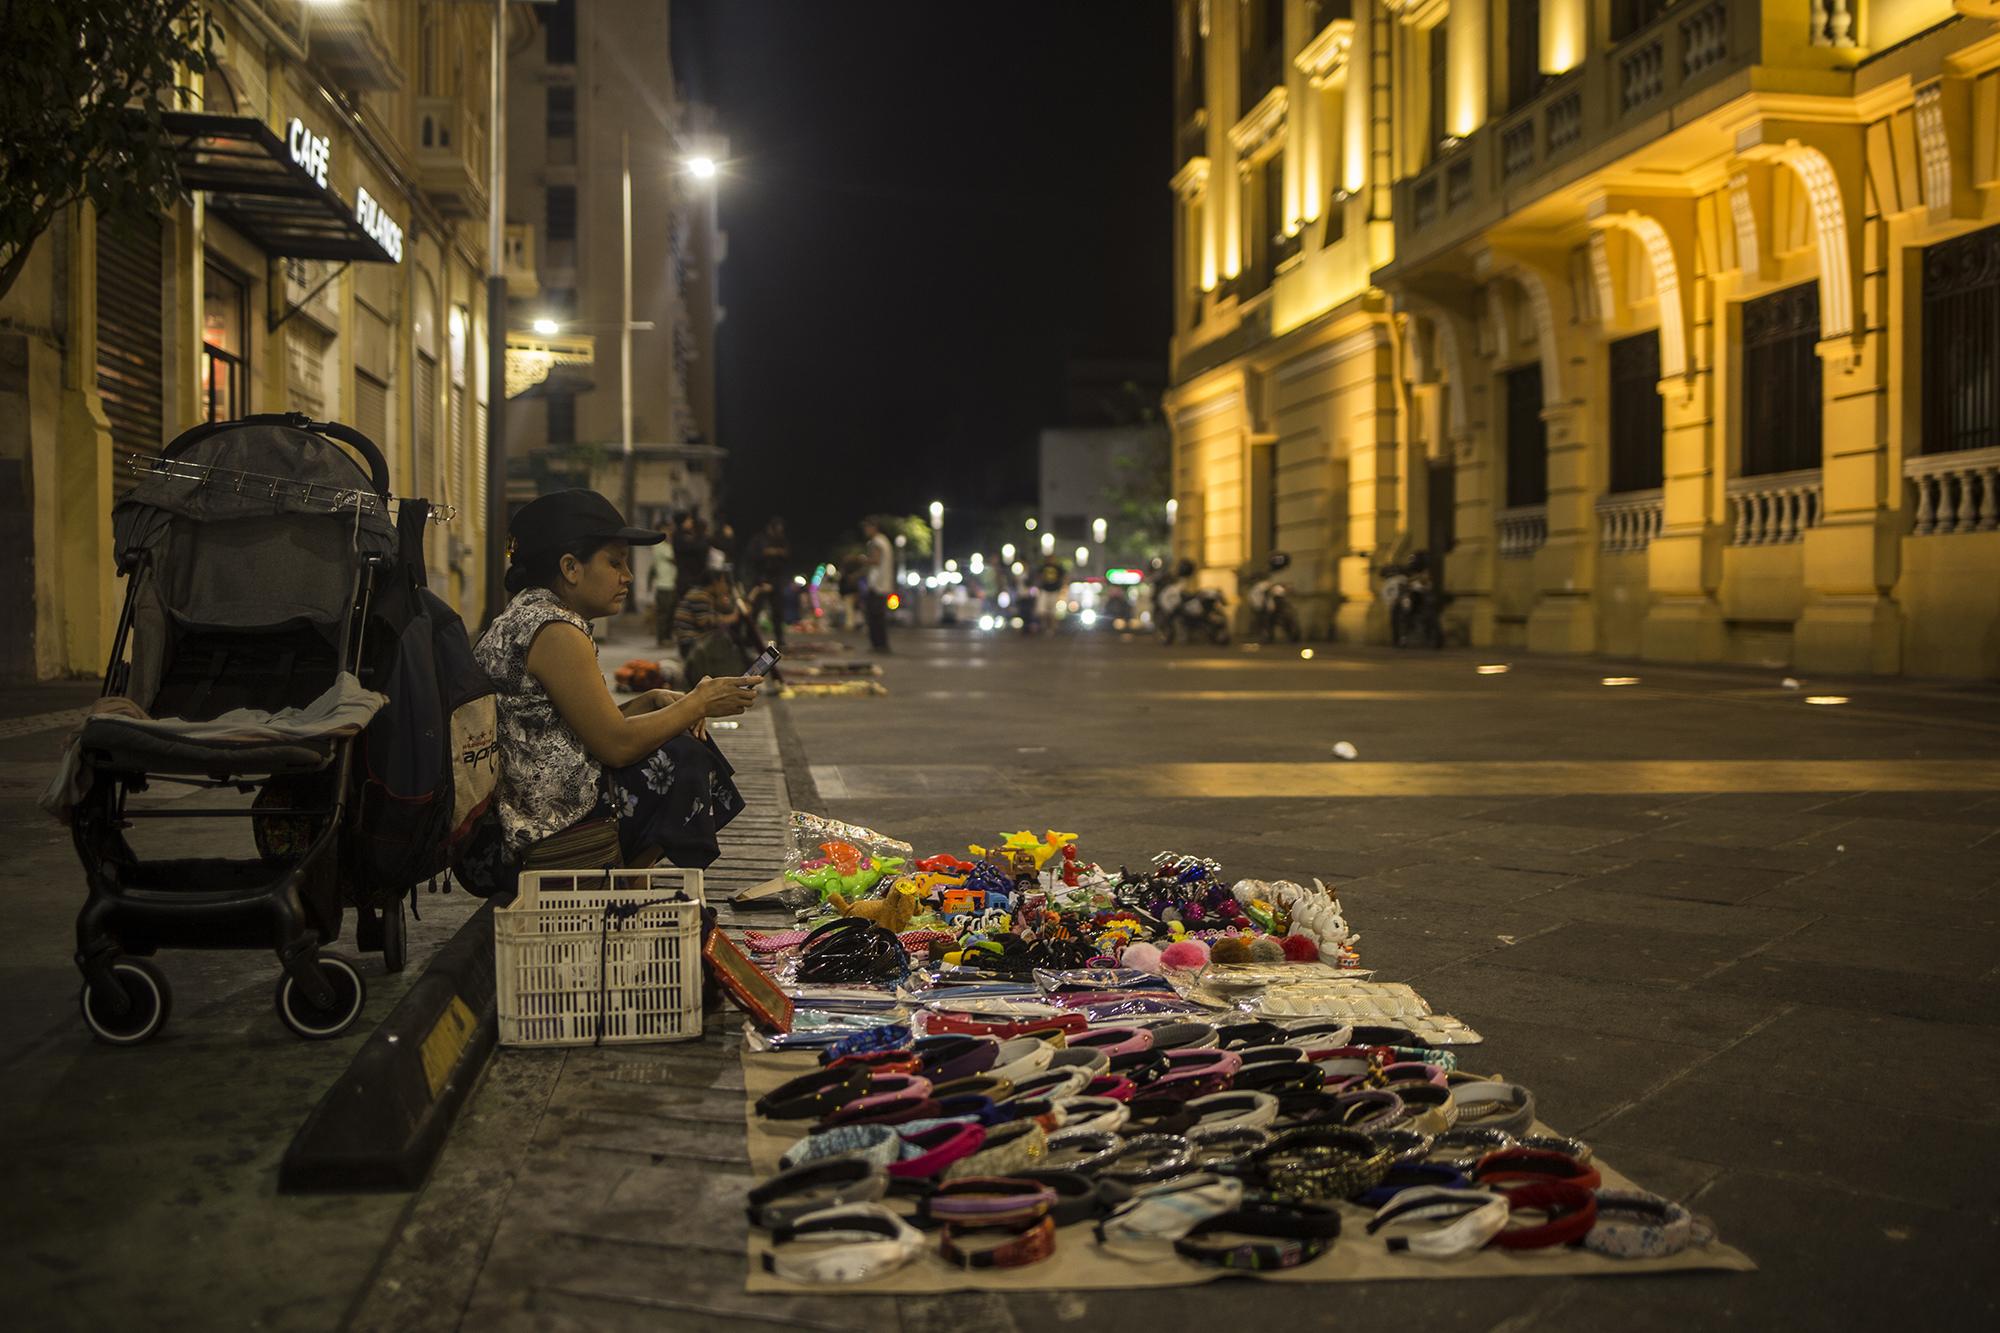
x=563, y=519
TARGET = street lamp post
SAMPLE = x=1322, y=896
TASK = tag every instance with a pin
x=937, y=552
x=629, y=483
x=496, y=319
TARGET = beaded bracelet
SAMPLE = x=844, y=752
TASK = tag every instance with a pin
x=1307, y=1164
x=1082, y=1150
x=1463, y=1146
x=1149, y=1157
x=1632, y=1224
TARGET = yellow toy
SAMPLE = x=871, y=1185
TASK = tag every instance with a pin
x=1039, y=850
x=894, y=910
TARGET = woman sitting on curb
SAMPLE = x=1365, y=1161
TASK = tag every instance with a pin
x=571, y=759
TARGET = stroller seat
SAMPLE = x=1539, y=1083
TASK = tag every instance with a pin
x=114, y=744
x=122, y=737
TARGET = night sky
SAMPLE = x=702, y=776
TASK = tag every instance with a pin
x=932, y=208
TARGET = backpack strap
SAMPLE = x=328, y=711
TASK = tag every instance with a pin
x=411, y=516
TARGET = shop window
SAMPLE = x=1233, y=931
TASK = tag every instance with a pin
x=562, y=418
x=1524, y=50
x=559, y=32
x=1781, y=382
x=1437, y=50
x=1961, y=348
x=1638, y=416
x=1628, y=16
x=1260, y=31
x=560, y=233
x=1527, y=437
x=1442, y=508
x=561, y=123
x=225, y=347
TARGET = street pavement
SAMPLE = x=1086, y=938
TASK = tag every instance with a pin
x=1743, y=944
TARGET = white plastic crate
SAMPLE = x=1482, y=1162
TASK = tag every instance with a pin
x=548, y=943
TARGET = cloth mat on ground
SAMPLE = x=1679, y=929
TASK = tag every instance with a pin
x=1078, y=1264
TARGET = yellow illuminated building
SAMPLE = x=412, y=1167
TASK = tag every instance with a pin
x=1674, y=328
x=329, y=258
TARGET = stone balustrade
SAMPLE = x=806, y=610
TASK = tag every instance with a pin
x=1776, y=508
x=1955, y=492
x=1629, y=520
x=1521, y=531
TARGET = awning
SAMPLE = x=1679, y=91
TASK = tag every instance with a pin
x=251, y=180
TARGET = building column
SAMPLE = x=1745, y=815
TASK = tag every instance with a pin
x=1373, y=432
x=1850, y=622
x=1564, y=617
x=1684, y=563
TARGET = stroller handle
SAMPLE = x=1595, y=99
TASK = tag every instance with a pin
x=378, y=466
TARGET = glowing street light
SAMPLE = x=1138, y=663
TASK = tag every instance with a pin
x=702, y=168
x=1082, y=555
x=1006, y=553
x=1048, y=543
x=1097, y=530
x=1030, y=525
x=547, y=328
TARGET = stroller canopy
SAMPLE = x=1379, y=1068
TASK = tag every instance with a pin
x=248, y=471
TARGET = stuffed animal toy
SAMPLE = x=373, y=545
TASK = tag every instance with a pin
x=892, y=911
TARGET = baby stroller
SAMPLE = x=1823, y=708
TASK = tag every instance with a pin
x=250, y=551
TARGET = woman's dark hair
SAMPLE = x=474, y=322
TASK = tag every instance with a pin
x=540, y=568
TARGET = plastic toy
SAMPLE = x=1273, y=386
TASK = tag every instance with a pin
x=894, y=910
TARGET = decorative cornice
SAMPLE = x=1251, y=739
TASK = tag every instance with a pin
x=1222, y=402
x=1325, y=56
x=1418, y=13
x=1261, y=126
x=1191, y=179
x=1327, y=354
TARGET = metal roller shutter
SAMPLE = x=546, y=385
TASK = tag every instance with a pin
x=371, y=409
x=454, y=450
x=129, y=371
x=424, y=484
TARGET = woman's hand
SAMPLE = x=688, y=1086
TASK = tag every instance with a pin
x=726, y=696
x=653, y=701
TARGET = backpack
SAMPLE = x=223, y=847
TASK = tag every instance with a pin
x=430, y=760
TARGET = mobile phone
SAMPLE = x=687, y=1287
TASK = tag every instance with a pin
x=765, y=660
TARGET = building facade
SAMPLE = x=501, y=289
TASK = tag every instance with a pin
x=329, y=258
x=1674, y=328
x=592, y=91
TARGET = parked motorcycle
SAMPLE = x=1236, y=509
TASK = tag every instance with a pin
x=1415, y=604
x=1271, y=609
x=1181, y=609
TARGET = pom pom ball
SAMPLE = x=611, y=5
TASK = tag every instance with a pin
x=1299, y=949
x=1184, y=954
x=1264, y=949
x=1142, y=956
x=1230, y=949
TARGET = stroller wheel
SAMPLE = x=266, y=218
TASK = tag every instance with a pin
x=297, y=1011
x=395, y=938
x=148, y=1002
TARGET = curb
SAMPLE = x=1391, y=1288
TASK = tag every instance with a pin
x=384, y=1121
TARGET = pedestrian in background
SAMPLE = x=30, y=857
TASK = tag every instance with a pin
x=690, y=552
x=666, y=586
x=703, y=628
x=879, y=576
x=770, y=563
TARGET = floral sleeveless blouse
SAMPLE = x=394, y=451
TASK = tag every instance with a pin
x=548, y=781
